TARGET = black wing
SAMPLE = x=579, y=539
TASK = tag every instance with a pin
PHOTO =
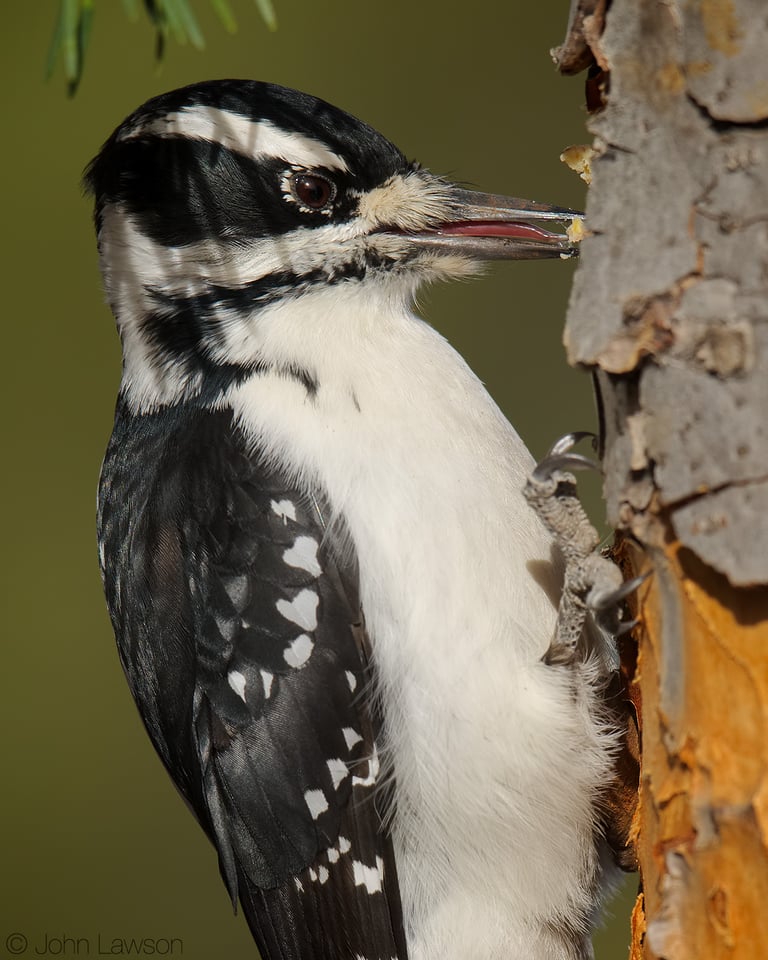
x=240, y=633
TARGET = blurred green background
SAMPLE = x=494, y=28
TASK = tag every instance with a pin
x=95, y=840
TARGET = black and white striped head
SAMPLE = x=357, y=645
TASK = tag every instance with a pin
x=221, y=204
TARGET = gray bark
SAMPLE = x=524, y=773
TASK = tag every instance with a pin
x=670, y=311
x=671, y=298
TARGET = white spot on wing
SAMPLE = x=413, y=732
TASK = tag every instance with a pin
x=344, y=845
x=316, y=801
x=266, y=679
x=303, y=554
x=351, y=736
x=333, y=855
x=373, y=771
x=368, y=877
x=322, y=874
x=351, y=680
x=298, y=651
x=237, y=682
x=284, y=509
x=302, y=610
x=338, y=770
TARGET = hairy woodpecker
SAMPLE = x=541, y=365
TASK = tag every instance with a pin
x=331, y=600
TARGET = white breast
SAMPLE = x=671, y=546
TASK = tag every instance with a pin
x=497, y=757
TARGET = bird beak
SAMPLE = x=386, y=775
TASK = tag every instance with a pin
x=484, y=226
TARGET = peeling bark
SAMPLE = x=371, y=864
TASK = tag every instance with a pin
x=670, y=311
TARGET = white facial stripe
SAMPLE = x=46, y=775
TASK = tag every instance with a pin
x=253, y=138
x=134, y=266
x=188, y=271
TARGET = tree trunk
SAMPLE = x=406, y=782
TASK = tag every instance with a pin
x=670, y=311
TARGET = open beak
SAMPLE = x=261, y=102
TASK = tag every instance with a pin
x=484, y=226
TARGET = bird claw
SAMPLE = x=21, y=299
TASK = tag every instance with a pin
x=593, y=589
x=615, y=597
x=559, y=458
x=569, y=440
x=626, y=626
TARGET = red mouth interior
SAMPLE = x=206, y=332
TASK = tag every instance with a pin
x=498, y=228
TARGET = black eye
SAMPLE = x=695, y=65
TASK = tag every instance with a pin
x=312, y=191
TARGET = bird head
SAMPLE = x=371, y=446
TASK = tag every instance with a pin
x=220, y=204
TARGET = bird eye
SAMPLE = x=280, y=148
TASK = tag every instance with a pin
x=312, y=191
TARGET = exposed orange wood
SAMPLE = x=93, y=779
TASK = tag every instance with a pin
x=703, y=814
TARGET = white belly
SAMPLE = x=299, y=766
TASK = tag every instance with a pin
x=496, y=756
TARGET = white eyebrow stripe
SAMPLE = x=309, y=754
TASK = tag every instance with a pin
x=253, y=138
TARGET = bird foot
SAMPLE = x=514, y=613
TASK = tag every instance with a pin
x=593, y=587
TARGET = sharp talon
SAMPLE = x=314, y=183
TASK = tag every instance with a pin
x=560, y=457
x=567, y=442
x=563, y=461
x=615, y=597
x=593, y=585
x=631, y=585
x=627, y=626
